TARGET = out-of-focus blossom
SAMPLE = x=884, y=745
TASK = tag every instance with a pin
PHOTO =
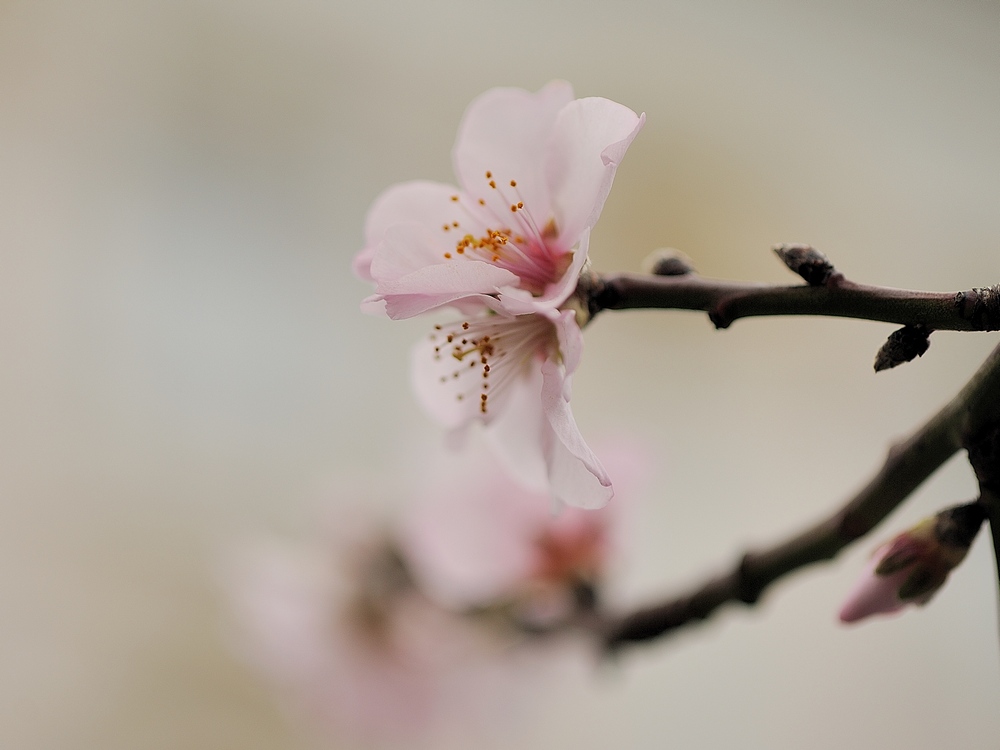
x=506, y=250
x=361, y=654
x=476, y=538
x=914, y=565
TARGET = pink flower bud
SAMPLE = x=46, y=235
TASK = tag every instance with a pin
x=914, y=565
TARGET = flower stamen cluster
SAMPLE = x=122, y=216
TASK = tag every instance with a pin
x=486, y=355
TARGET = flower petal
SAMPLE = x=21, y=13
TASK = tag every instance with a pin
x=588, y=142
x=505, y=131
x=538, y=441
x=470, y=535
x=516, y=434
x=413, y=278
x=576, y=476
x=874, y=594
x=418, y=201
x=469, y=371
x=373, y=305
x=362, y=263
x=570, y=343
x=473, y=535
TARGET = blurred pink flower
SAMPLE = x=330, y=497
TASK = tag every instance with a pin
x=506, y=249
x=360, y=653
x=475, y=538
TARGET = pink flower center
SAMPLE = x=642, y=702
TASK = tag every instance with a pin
x=563, y=554
x=512, y=237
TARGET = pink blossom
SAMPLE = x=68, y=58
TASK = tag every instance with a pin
x=474, y=537
x=534, y=171
x=506, y=249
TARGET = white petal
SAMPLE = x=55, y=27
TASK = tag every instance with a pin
x=538, y=441
x=505, y=131
x=362, y=263
x=516, y=434
x=374, y=305
x=570, y=343
x=468, y=371
x=471, y=534
x=576, y=476
x=588, y=141
x=420, y=201
x=412, y=277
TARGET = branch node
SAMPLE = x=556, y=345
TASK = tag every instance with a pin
x=849, y=525
x=958, y=526
x=981, y=307
x=667, y=262
x=904, y=345
x=591, y=289
x=719, y=319
x=984, y=456
x=746, y=592
x=807, y=262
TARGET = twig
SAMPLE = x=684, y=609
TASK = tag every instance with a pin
x=908, y=464
x=984, y=455
x=726, y=301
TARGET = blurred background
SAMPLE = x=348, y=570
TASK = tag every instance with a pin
x=182, y=187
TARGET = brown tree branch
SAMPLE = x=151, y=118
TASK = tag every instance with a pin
x=726, y=301
x=984, y=456
x=908, y=464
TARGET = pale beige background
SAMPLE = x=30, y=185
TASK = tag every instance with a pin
x=182, y=186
